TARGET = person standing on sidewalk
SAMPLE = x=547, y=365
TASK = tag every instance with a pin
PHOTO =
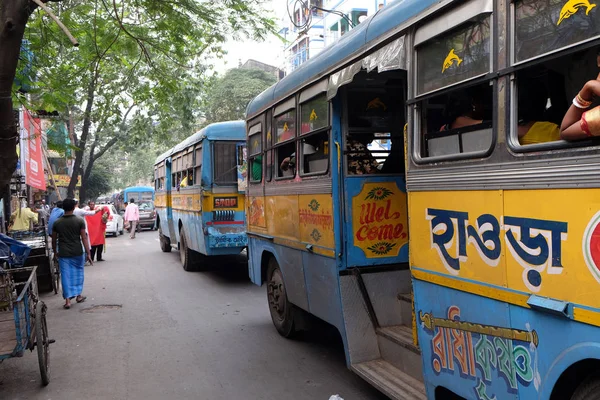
x=97, y=230
x=69, y=237
x=132, y=216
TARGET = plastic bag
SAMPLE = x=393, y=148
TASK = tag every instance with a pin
x=335, y=397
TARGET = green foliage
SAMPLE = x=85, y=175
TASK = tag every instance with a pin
x=98, y=183
x=142, y=56
x=132, y=166
x=228, y=96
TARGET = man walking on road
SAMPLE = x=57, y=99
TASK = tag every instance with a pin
x=132, y=216
x=68, y=232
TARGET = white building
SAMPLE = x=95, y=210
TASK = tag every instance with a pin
x=307, y=33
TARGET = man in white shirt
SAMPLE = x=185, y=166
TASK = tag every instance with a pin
x=132, y=215
x=80, y=212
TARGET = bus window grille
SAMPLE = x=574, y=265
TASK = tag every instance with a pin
x=225, y=163
x=223, y=215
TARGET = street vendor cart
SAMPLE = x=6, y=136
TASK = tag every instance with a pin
x=22, y=314
x=48, y=273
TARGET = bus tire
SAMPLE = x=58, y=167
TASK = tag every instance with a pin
x=165, y=242
x=282, y=311
x=189, y=258
x=589, y=389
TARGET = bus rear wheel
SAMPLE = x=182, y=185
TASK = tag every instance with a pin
x=189, y=258
x=282, y=311
x=588, y=390
x=165, y=242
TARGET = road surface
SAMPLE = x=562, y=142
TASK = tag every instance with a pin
x=150, y=330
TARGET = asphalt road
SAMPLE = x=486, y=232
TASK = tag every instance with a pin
x=150, y=330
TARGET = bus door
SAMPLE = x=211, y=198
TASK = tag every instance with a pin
x=169, y=189
x=375, y=200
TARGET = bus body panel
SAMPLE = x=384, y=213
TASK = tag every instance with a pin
x=376, y=221
x=521, y=273
x=311, y=280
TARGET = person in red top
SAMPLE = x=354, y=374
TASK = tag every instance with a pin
x=96, y=225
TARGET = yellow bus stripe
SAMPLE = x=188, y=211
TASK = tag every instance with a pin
x=580, y=314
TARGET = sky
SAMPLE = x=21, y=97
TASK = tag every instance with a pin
x=269, y=52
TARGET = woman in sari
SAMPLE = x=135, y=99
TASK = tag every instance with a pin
x=96, y=225
x=581, y=121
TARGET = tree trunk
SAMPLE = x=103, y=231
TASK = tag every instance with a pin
x=13, y=19
x=85, y=130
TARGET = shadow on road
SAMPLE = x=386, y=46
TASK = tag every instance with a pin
x=226, y=269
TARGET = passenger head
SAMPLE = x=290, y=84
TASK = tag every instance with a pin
x=69, y=205
x=59, y=204
x=533, y=97
x=131, y=201
x=466, y=103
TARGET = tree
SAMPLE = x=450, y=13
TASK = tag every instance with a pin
x=228, y=96
x=146, y=54
x=98, y=183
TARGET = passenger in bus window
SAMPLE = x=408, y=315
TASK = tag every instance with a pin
x=581, y=122
x=461, y=110
x=360, y=159
x=533, y=127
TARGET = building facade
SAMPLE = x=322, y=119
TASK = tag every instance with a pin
x=307, y=32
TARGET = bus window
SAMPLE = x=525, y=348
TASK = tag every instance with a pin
x=255, y=150
x=543, y=91
x=543, y=26
x=314, y=146
x=459, y=121
x=375, y=115
x=285, y=148
x=225, y=163
x=285, y=158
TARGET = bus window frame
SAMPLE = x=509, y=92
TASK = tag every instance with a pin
x=415, y=110
x=212, y=144
x=279, y=110
x=257, y=122
x=512, y=139
x=303, y=136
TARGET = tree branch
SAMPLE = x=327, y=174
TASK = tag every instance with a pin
x=60, y=24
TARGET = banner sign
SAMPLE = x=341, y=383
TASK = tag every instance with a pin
x=31, y=145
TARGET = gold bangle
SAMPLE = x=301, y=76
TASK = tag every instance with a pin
x=585, y=103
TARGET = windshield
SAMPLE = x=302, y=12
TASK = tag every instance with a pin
x=146, y=206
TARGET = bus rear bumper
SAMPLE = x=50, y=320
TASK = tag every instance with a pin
x=226, y=236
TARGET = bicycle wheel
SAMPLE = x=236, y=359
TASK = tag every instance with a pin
x=42, y=342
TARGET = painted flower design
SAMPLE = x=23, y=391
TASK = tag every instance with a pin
x=378, y=193
x=314, y=205
x=381, y=248
x=316, y=235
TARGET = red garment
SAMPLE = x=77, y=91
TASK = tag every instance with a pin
x=96, y=227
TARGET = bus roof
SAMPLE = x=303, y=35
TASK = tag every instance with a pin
x=138, y=189
x=349, y=46
x=229, y=130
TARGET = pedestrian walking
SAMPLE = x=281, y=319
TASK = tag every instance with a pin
x=56, y=213
x=132, y=216
x=97, y=230
x=70, y=238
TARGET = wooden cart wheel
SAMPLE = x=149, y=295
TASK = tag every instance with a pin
x=42, y=342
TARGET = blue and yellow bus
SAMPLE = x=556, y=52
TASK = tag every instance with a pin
x=464, y=261
x=200, y=209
